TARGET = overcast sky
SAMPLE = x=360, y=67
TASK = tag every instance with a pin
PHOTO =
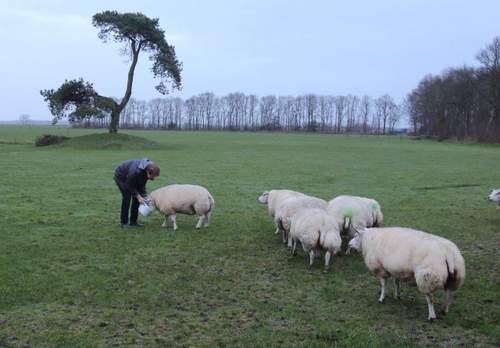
x=252, y=46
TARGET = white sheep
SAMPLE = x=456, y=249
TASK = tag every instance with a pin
x=315, y=230
x=434, y=262
x=273, y=200
x=183, y=199
x=290, y=206
x=495, y=197
x=355, y=211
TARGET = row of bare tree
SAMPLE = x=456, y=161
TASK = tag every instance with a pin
x=462, y=103
x=237, y=111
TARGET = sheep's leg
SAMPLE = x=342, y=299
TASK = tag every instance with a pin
x=277, y=228
x=290, y=242
x=206, y=220
x=447, y=301
x=200, y=221
x=311, y=257
x=430, y=305
x=397, y=290
x=294, y=248
x=383, y=285
x=173, y=218
x=164, y=224
x=284, y=236
x=328, y=255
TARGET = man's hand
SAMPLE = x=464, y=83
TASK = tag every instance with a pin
x=141, y=199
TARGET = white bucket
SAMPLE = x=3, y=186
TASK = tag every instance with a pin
x=145, y=209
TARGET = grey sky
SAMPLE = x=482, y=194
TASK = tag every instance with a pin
x=256, y=46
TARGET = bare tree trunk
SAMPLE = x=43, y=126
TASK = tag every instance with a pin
x=115, y=114
x=113, y=124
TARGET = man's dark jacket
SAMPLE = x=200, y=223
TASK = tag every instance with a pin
x=131, y=176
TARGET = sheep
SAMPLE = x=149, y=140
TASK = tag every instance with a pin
x=273, y=200
x=315, y=230
x=434, y=262
x=290, y=206
x=357, y=211
x=183, y=199
x=495, y=197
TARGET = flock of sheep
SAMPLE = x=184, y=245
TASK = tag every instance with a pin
x=403, y=253
x=434, y=262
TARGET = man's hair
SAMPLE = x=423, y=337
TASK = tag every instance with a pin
x=153, y=170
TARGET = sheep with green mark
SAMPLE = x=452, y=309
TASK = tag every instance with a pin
x=354, y=210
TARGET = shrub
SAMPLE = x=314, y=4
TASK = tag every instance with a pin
x=49, y=139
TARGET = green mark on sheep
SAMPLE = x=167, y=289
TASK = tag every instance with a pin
x=375, y=207
x=347, y=212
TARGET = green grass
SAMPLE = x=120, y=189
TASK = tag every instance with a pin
x=70, y=277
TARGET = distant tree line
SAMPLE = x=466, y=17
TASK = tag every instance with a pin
x=461, y=103
x=240, y=112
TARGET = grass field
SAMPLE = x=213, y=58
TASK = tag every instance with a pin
x=71, y=277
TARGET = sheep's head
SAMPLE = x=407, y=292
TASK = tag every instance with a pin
x=263, y=198
x=149, y=201
x=287, y=223
x=355, y=242
x=495, y=196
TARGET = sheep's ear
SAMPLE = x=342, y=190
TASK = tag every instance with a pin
x=356, y=230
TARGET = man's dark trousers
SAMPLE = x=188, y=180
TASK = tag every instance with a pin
x=126, y=197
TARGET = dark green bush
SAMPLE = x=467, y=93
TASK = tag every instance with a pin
x=49, y=139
